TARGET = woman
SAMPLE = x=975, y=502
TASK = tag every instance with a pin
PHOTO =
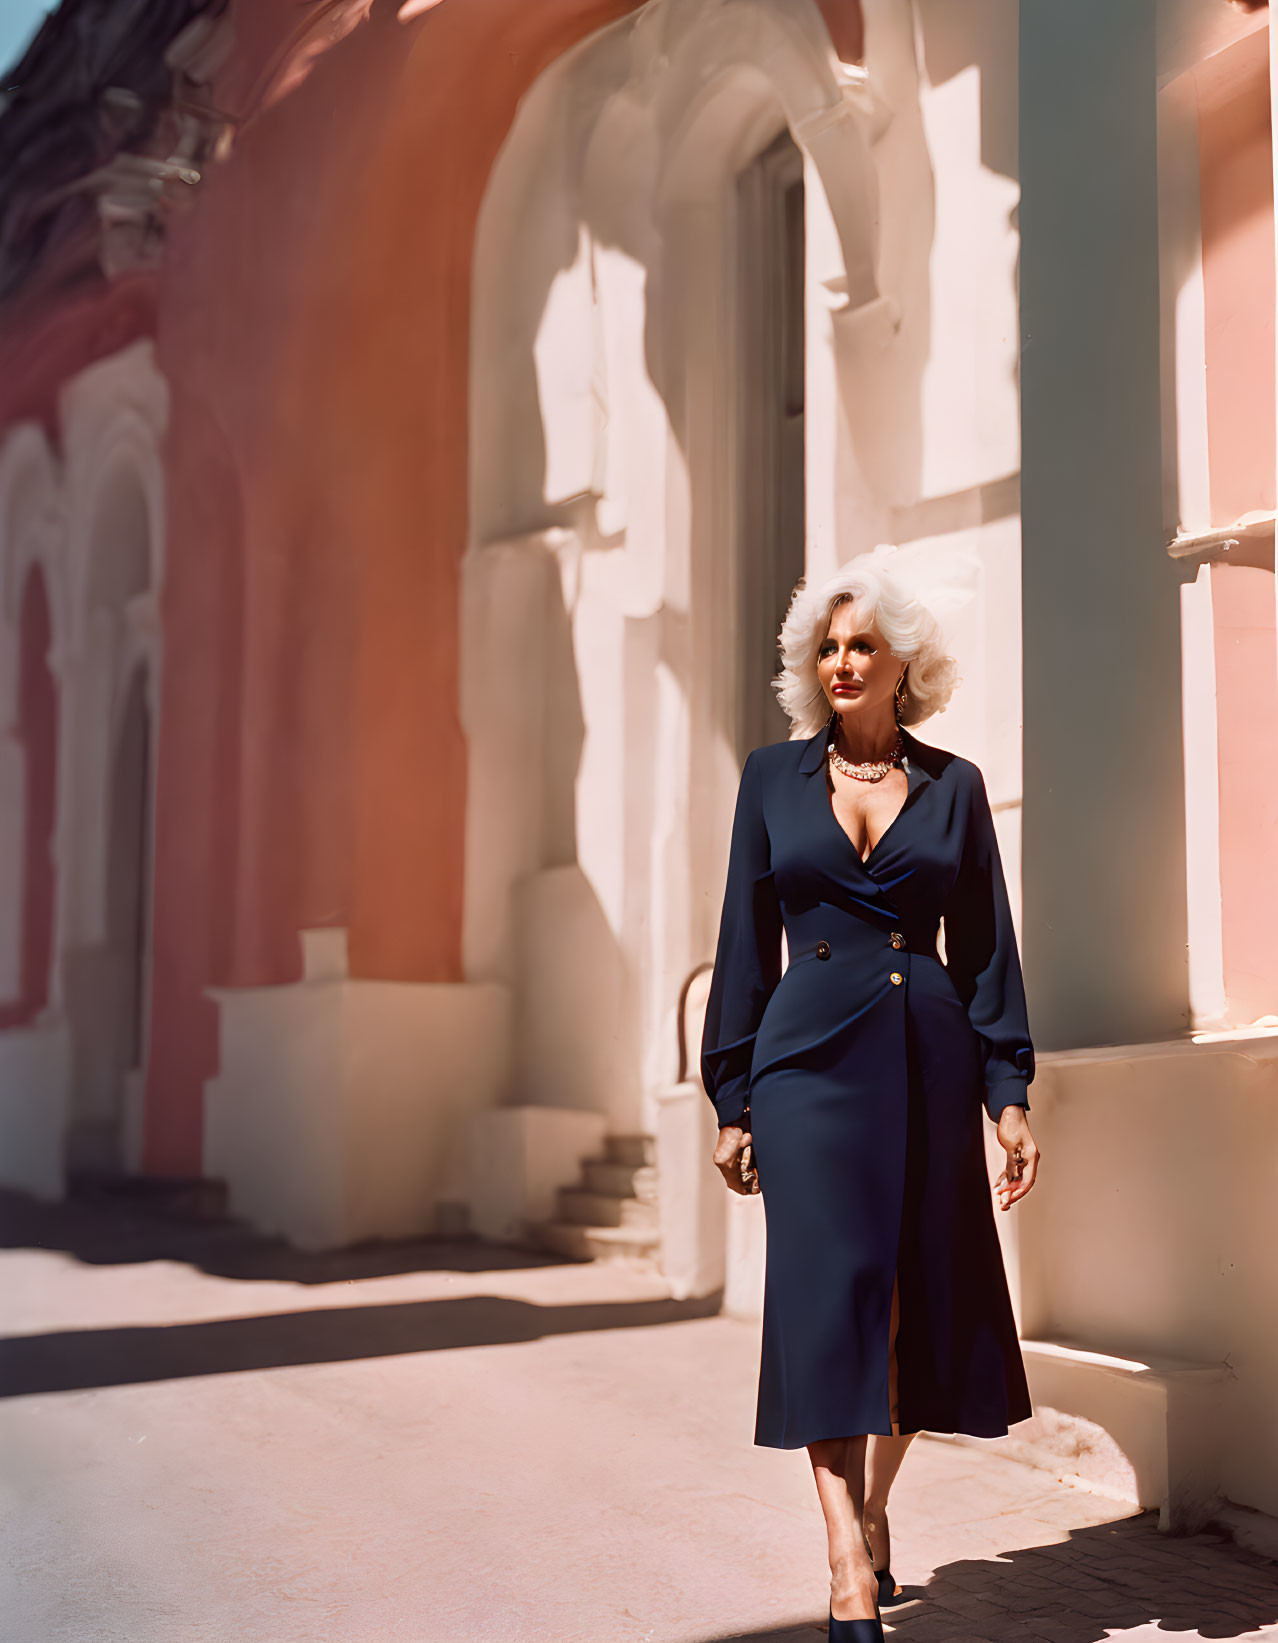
x=857, y=1077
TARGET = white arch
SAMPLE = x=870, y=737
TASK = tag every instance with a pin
x=604, y=458
x=113, y=418
x=32, y=537
x=56, y=515
x=32, y=531
x=785, y=51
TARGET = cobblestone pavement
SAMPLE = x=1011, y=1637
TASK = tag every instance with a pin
x=205, y=1437
x=1116, y=1580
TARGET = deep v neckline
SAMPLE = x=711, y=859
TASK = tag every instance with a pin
x=828, y=793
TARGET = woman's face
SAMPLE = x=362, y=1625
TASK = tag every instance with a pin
x=857, y=670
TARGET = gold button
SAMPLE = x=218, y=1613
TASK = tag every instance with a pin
x=823, y=949
x=898, y=940
x=897, y=978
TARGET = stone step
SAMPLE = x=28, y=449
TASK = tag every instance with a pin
x=630, y=1149
x=594, y=1243
x=584, y=1208
x=1138, y=1431
x=179, y=1197
x=614, y=1180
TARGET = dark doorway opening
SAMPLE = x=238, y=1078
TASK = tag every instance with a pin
x=771, y=500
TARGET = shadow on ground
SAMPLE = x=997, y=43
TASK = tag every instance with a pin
x=1107, y=1579
x=74, y=1360
x=111, y=1234
x=103, y=1233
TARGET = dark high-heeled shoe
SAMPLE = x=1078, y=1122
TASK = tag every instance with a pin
x=890, y=1593
x=855, y=1631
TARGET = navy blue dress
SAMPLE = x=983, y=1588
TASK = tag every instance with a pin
x=865, y=1068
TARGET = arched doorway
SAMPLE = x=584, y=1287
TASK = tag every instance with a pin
x=36, y=735
x=644, y=269
x=128, y=899
x=106, y=963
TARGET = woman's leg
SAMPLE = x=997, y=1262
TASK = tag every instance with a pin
x=883, y=1460
x=838, y=1465
x=882, y=1464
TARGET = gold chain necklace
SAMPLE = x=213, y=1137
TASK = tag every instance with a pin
x=867, y=770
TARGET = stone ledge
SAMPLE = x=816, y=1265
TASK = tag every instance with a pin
x=1122, y=1428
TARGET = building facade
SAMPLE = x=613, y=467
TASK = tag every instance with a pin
x=413, y=420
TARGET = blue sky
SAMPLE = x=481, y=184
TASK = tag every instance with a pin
x=19, y=19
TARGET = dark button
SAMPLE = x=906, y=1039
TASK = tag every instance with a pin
x=823, y=949
x=898, y=940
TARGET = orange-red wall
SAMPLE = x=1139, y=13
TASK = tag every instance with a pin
x=314, y=325
x=1237, y=210
x=312, y=321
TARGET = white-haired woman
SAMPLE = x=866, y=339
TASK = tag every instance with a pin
x=857, y=1078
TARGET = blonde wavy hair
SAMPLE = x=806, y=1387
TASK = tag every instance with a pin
x=912, y=632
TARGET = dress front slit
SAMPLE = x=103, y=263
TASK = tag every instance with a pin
x=906, y=1349
x=894, y=1373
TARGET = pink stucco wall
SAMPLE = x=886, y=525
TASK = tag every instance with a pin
x=1238, y=273
x=1242, y=600
x=1237, y=206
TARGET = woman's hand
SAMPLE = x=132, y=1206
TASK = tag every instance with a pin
x=727, y=1156
x=1022, y=1156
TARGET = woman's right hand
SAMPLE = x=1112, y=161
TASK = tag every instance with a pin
x=727, y=1156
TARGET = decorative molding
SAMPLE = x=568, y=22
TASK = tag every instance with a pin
x=1249, y=541
x=328, y=24
x=108, y=124
x=104, y=123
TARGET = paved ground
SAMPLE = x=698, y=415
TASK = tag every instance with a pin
x=205, y=1438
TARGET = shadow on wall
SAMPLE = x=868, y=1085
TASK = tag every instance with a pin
x=973, y=34
x=594, y=255
x=579, y=229
x=605, y=406
x=573, y=1007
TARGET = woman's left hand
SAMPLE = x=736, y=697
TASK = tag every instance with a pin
x=1022, y=1156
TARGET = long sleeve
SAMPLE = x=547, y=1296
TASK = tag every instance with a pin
x=982, y=960
x=747, y=965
